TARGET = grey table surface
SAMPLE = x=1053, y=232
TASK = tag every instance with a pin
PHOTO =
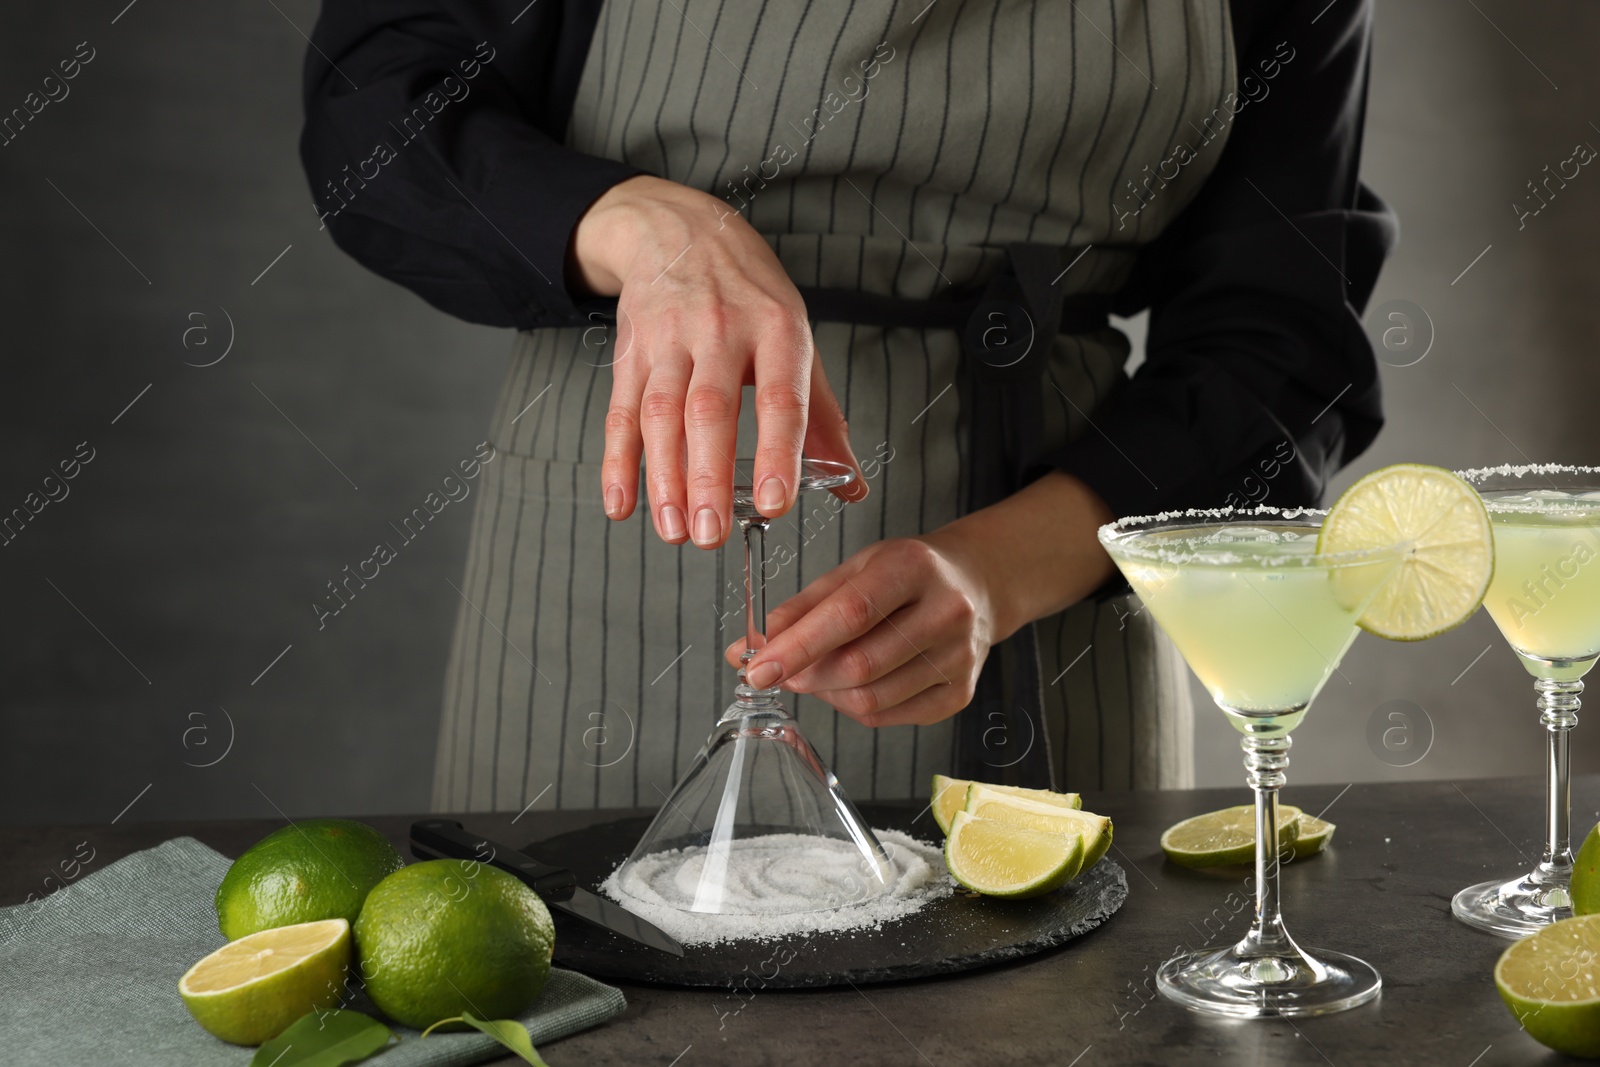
x=1382, y=892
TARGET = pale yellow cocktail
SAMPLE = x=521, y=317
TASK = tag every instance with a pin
x=1261, y=620
x=1545, y=596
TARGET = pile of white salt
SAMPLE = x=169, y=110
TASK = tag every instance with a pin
x=772, y=882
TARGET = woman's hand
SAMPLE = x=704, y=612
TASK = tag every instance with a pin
x=898, y=632
x=704, y=309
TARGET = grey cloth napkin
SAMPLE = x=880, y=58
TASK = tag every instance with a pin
x=90, y=974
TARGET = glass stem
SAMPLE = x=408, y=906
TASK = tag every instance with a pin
x=1265, y=758
x=755, y=609
x=1558, y=707
x=755, y=587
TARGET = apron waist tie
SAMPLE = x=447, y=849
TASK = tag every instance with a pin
x=1080, y=312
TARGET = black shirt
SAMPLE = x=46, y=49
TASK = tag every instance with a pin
x=1258, y=384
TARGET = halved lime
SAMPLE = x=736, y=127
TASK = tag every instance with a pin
x=1220, y=838
x=987, y=802
x=250, y=990
x=1551, y=983
x=999, y=859
x=1442, y=581
x=950, y=796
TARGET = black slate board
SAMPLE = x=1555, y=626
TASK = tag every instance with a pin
x=956, y=933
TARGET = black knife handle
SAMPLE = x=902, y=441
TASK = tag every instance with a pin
x=447, y=837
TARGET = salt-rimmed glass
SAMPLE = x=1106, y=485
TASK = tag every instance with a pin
x=1545, y=597
x=759, y=825
x=1263, y=620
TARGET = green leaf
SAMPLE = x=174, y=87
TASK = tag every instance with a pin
x=510, y=1033
x=324, y=1039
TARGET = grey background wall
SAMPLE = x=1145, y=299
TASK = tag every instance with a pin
x=162, y=608
x=218, y=506
x=1460, y=119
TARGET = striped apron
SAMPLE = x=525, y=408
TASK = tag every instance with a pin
x=895, y=150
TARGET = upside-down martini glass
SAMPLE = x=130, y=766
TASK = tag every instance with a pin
x=725, y=828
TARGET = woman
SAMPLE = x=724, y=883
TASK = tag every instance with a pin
x=916, y=216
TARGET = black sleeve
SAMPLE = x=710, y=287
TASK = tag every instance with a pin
x=433, y=143
x=1259, y=382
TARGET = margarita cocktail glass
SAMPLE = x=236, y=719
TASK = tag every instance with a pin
x=1545, y=597
x=1263, y=620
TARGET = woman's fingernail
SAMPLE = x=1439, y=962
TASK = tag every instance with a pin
x=771, y=495
x=706, y=526
x=672, y=522
x=614, y=501
x=764, y=675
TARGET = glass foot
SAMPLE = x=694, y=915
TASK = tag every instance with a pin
x=1512, y=909
x=1297, y=983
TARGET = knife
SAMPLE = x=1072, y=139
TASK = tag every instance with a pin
x=433, y=839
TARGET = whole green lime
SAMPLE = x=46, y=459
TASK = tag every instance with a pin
x=305, y=872
x=1586, y=876
x=442, y=937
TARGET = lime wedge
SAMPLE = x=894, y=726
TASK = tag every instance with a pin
x=250, y=990
x=1220, y=838
x=1586, y=875
x=1039, y=796
x=1314, y=836
x=999, y=859
x=950, y=796
x=987, y=802
x=1551, y=984
x=1441, y=583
